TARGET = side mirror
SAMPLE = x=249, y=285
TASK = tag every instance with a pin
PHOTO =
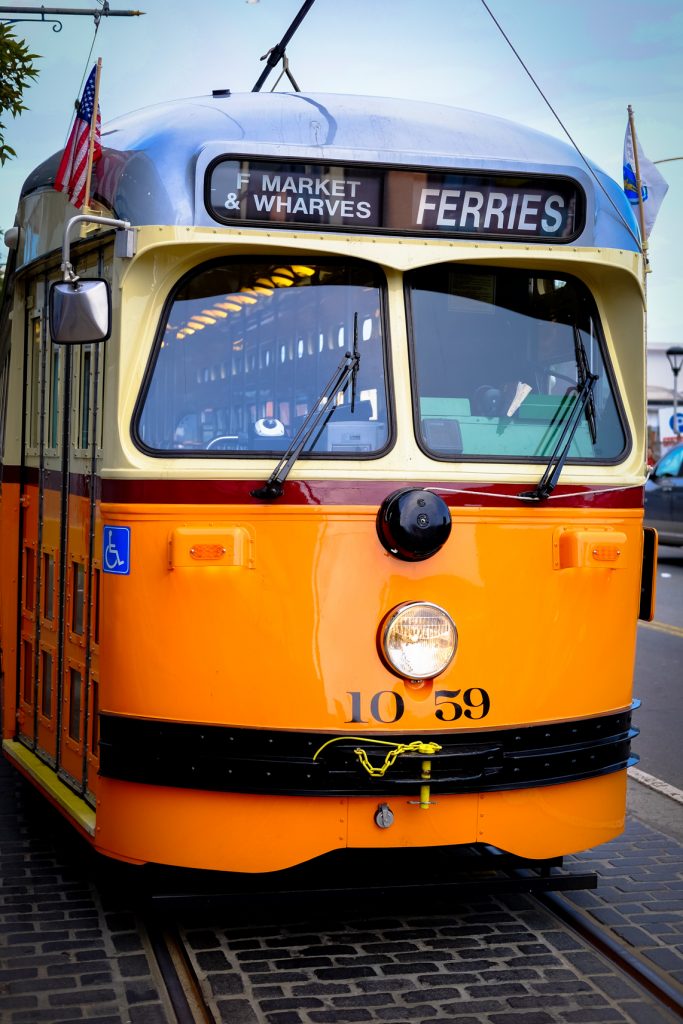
x=80, y=311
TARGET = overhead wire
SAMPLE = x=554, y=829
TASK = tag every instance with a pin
x=79, y=92
x=557, y=117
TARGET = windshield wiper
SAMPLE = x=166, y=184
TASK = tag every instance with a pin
x=317, y=417
x=548, y=482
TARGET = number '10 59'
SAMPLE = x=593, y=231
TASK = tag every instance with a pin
x=388, y=707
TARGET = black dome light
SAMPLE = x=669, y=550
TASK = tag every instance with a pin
x=413, y=524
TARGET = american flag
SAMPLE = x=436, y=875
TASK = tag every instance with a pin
x=73, y=167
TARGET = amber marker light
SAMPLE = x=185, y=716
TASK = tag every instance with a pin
x=418, y=640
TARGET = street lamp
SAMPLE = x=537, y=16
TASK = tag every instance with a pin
x=675, y=357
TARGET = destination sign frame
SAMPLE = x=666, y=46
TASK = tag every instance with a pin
x=496, y=205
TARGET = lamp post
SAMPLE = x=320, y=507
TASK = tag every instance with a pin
x=675, y=357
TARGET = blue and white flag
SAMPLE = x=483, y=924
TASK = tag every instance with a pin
x=653, y=185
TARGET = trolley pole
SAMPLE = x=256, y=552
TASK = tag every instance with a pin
x=274, y=56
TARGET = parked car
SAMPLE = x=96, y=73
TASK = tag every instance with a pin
x=664, y=497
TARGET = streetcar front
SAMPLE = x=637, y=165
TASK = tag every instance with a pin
x=370, y=531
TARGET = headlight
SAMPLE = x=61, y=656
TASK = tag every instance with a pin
x=418, y=640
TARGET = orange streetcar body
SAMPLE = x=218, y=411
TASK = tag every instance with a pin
x=329, y=535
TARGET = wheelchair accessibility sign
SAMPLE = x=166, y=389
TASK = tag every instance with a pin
x=116, y=550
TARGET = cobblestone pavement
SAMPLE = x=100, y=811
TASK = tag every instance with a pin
x=70, y=954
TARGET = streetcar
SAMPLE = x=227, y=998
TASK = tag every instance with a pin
x=323, y=452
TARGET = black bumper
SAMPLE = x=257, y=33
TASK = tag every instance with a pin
x=279, y=762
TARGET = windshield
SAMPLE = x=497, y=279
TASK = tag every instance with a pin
x=498, y=358
x=245, y=351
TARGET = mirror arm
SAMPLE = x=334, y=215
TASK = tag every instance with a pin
x=67, y=268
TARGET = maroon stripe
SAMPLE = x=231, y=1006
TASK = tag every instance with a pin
x=322, y=492
x=351, y=492
x=79, y=483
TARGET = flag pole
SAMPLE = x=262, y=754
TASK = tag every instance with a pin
x=93, y=129
x=639, y=187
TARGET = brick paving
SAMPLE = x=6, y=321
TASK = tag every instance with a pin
x=70, y=954
x=65, y=954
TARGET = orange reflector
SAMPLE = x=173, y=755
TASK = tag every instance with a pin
x=606, y=553
x=583, y=548
x=207, y=552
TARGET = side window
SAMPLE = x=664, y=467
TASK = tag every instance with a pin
x=4, y=384
x=35, y=369
x=671, y=464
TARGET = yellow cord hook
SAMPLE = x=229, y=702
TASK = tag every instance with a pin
x=397, y=749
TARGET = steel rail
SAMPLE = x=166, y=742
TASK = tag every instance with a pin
x=177, y=973
x=630, y=963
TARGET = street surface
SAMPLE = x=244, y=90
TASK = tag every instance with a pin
x=659, y=676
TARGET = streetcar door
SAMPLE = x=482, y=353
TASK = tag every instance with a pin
x=58, y=667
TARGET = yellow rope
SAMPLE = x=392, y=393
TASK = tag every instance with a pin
x=416, y=747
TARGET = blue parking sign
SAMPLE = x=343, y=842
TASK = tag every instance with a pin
x=116, y=550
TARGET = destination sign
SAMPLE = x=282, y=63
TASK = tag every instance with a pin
x=456, y=203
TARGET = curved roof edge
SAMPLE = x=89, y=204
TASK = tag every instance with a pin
x=147, y=172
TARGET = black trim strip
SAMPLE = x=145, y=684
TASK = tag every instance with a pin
x=238, y=760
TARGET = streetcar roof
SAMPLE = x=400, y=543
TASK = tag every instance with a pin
x=150, y=157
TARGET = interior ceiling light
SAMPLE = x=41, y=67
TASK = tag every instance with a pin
x=259, y=289
x=282, y=281
x=232, y=306
x=204, y=319
x=215, y=313
x=303, y=271
x=244, y=300
x=195, y=325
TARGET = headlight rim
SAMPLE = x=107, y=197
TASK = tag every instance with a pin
x=386, y=624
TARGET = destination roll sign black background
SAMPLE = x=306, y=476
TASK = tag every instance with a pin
x=471, y=204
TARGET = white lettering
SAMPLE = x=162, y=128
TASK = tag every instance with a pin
x=300, y=206
x=321, y=186
x=283, y=203
x=513, y=210
x=471, y=206
x=446, y=207
x=264, y=202
x=363, y=210
x=338, y=187
x=332, y=207
x=353, y=185
x=306, y=185
x=270, y=184
x=242, y=179
x=289, y=185
x=556, y=217
x=426, y=195
x=495, y=207
x=529, y=209
x=315, y=206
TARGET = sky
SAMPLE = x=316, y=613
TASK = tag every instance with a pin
x=591, y=58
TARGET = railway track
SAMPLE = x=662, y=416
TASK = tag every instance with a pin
x=625, y=958
x=190, y=999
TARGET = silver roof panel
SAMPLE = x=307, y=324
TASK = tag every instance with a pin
x=154, y=159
